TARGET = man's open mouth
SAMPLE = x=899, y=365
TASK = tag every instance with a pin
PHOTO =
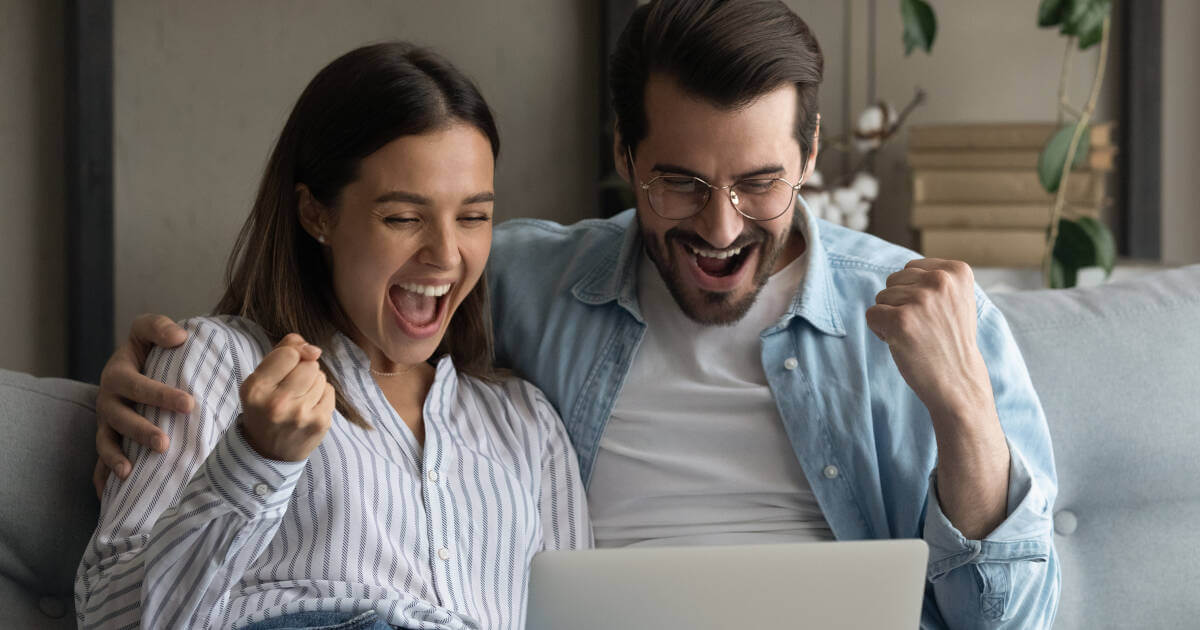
x=419, y=307
x=720, y=263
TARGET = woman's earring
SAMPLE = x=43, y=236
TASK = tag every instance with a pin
x=321, y=239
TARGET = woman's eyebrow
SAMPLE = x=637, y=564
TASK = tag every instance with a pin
x=481, y=197
x=400, y=196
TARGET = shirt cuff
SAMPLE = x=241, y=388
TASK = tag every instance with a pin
x=1023, y=535
x=255, y=486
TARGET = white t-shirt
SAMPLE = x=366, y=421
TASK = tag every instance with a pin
x=695, y=452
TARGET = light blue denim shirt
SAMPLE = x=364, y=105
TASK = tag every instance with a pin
x=566, y=315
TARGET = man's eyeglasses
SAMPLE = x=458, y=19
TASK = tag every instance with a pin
x=678, y=197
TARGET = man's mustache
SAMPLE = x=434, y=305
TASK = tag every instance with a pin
x=751, y=236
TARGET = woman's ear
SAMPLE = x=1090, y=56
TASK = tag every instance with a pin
x=313, y=216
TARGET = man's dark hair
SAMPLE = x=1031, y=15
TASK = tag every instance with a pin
x=727, y=52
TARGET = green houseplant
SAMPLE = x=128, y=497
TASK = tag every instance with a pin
x=1072, y=244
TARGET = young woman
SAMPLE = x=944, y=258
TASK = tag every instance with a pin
x=351, y=461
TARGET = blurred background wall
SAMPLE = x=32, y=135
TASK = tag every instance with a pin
x=32, y=265
x=201, y=90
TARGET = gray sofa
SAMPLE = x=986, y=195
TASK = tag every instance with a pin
x=1117, y=368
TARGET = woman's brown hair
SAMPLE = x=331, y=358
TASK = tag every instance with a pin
x=277, y=275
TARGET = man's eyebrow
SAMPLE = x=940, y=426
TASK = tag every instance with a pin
x=400, y=196
x=672, y=168
x=769, y=169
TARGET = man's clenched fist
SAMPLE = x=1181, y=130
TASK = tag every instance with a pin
x=287, y=405
x=927, y=316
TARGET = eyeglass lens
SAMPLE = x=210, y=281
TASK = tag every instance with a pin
x=681, y=197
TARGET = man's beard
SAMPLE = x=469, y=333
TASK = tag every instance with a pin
x=712, y=308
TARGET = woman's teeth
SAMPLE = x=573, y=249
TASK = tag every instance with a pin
x=712, y=253
x=421, y=289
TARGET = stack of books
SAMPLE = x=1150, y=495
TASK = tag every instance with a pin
x=977, y=196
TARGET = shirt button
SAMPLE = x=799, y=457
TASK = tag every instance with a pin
x=790, y=363
x=830, y=472
x=443, y=553
x=432, y=476
x=262, y=489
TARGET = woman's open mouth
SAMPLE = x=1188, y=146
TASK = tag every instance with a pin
x=419, y=308
x=720, y=270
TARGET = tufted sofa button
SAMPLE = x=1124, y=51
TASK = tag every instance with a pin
x=52, y=607
x=1065, y=522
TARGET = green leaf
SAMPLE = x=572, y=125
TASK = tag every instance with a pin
x=1085, y=20
x=1083, y=242
x=1050, y=12
x=1059, y=277
x=1072, y=251
x=1054, y=156
x=1103, y=243
x=920, y=25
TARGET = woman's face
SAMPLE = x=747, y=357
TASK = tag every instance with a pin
x=409, y=240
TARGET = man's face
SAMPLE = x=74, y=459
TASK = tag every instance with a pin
x=716, y=262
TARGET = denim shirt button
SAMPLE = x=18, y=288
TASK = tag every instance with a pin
x=830, y=472
x=790, y=363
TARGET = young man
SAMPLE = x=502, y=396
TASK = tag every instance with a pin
x=732, y=370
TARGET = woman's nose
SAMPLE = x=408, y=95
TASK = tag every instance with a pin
x=441, y=248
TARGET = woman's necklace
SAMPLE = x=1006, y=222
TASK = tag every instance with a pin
x=384, y=374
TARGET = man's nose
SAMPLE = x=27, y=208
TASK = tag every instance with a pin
x=719, y=222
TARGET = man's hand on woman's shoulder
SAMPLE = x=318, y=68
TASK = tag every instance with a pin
x=122, y=387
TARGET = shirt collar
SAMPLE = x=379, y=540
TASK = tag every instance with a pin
x=614, y=278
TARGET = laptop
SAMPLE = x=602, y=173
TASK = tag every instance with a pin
x=851, y=585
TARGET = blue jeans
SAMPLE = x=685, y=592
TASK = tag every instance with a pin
x=319, y=620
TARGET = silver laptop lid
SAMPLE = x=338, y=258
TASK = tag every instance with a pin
x=851, y=585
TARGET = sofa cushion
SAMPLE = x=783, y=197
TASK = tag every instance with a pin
x=49, y=507
x=1117, y=368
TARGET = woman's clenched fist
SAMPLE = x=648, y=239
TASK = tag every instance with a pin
x=287, y=405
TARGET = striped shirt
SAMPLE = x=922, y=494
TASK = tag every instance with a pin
x=211, y=534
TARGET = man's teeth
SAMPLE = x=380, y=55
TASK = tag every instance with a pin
x=421, y=289
x=712, y=253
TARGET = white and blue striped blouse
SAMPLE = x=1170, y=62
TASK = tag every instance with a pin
x=210, y=534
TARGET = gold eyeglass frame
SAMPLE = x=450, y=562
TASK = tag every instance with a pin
x=733, y=200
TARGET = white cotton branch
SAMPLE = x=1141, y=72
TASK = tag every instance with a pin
x=866, y=185
x=846, y=199
x=874, y=123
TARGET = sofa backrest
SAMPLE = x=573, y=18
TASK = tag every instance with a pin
x=48, y=508
x=1117, y=369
